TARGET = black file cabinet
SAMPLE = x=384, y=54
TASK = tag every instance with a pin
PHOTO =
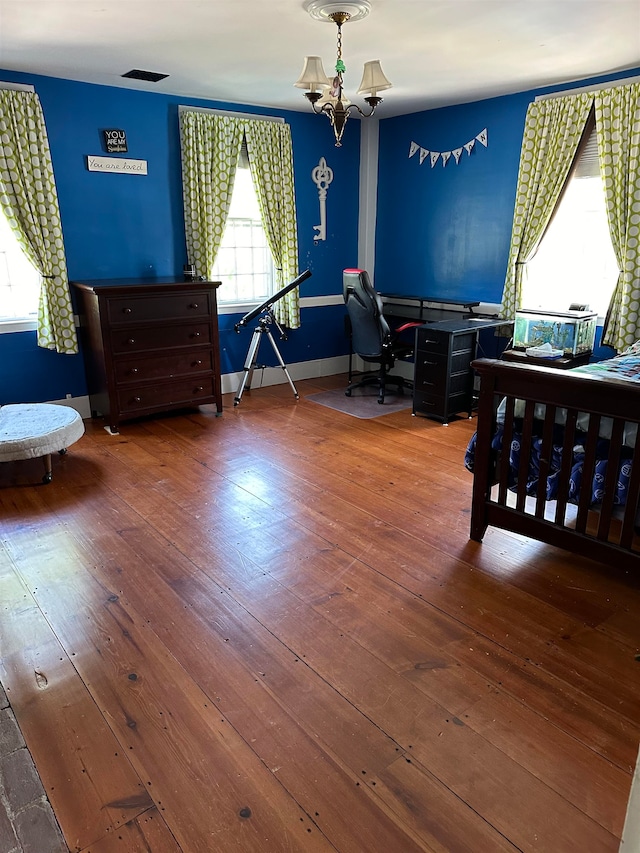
x=443, y=378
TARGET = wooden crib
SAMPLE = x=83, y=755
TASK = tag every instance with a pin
x=558, y=411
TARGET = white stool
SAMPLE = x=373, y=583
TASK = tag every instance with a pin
x=31, y=430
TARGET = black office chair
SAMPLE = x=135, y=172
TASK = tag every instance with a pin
x=371, y=337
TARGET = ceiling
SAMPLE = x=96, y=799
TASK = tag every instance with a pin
x=435, y=52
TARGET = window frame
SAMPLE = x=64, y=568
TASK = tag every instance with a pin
x=236, y=304
x=588, y=148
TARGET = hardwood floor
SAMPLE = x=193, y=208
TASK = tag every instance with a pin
x=270, y=632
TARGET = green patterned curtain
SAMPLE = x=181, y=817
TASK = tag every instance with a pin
x=211, y=146
x=271, y=163
x=552, y=133
x=618, y=129
x=210, y=151
x=29, y=200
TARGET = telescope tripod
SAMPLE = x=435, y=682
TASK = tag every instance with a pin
x=250, y=363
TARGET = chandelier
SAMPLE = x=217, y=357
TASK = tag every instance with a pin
x=326, y=95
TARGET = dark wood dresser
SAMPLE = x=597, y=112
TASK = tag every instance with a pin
x=149, y=345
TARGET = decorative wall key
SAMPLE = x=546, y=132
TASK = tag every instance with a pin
x=322, y=176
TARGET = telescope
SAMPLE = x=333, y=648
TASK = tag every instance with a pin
x=263, y=328
x=268, y=303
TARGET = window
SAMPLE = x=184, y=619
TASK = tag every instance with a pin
x=244, y=263
x=19, y=280
x=575, y=261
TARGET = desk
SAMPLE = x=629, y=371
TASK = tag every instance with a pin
x=427, y=309
x=443, y=378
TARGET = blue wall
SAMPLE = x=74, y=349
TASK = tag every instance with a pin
x=132, y=225
x=441, y=232
x=445, y=231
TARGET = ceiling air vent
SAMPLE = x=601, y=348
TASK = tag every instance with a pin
x=149, y=76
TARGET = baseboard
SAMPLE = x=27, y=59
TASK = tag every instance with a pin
x=261, y=378
x=266, y=376
x=80, y=404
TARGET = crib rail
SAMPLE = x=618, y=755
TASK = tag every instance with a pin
x=606, y=532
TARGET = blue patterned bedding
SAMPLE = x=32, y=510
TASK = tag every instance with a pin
x=625, y=366
x=575, y=479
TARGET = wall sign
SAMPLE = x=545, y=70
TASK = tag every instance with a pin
x=121, y=165
x=445, y=156
x=115, y=141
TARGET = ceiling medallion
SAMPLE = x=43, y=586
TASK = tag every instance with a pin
x=321, y=10
x=326, y=94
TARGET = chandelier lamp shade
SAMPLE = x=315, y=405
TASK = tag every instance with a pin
x=325, y=94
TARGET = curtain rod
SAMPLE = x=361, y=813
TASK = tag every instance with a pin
x=18, y=87
x=597, y=87
x=183, y=108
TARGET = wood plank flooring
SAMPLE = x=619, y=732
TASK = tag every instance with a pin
x=270, y=632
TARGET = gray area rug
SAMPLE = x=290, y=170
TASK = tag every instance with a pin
x=363, y=402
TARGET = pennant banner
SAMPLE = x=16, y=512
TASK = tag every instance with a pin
x=445, y=156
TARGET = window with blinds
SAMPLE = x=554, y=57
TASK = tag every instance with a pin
x=575, y=262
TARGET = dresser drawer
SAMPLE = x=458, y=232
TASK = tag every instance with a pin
x=429, y=404
x=432, y=341
x=147, y=397
x=464, y=343
x=437, y=383
x=440, y=406
x=135, y=309
x=162, y=366
x=145, y=338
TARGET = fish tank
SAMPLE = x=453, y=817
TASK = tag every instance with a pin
x=573, y=332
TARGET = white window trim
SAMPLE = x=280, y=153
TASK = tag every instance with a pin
x=8, y=326
x=305, y=302
x=598, y=87
x=17, y=87
x=184, y=108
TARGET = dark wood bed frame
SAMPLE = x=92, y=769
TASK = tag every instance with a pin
x=609, y=534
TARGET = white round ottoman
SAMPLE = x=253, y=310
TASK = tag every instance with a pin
x=31, y=430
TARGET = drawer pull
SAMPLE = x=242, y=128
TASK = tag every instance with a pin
x=133, y=370
x=131, y=341
x=198, y=388
x=196, y=363
x=126, y=310
x=430, y=341
x=194, y=335
x=430, y=362
x=137, y=399
x=193, y=305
